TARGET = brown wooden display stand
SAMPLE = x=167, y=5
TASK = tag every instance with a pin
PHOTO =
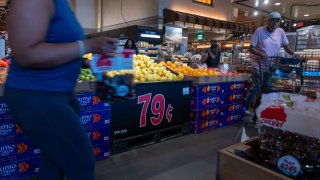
x=232, y=166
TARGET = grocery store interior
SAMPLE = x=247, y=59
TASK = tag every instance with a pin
x=176, y=107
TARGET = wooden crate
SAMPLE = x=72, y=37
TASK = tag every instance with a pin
x=231, y=166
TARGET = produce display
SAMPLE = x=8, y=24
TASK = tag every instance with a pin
x=189, y=71
x=146, y=70
x=86, y=75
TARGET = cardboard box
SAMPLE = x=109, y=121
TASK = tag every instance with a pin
x=4, y=110
x=85, y=87
x=18, y=149
x=232, y=166
x=237, y=98
x=202, y=126
x=237, y=87
x=230, y=119
x=207, y=102
x=20, y=169
x=95, y=119
x=203, y=114
x=91, y=102
x=235, y=109
x=102, y=151
x=237, y=77
x=207, y=79
x=100, y=135
x=207, y=90
x=7, y=129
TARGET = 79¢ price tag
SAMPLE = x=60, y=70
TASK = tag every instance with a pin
x=289, y=166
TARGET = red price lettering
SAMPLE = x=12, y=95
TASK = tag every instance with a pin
x=160, y=101
x=158, y=106
x=145, y=99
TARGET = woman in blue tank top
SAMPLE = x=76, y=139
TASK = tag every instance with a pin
x=48, y=43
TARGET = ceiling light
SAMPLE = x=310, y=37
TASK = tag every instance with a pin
x=257, y=3
x=306, y=15
x=266, y=2
x=282, y=21
x=255, y=13
x=277, y=4
x=294, y=25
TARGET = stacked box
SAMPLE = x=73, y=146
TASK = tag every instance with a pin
x=95, y=116
x=235, y=101
x=207, y=106
x=19, y=158
x=217, y=105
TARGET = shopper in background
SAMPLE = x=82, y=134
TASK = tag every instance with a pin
x=211, y=56
x=266, y=43
x=130, y=44
x=47, y=44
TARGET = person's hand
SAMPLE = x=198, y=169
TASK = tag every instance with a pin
x=263, y=56
x=297, y=56
x=101, y=45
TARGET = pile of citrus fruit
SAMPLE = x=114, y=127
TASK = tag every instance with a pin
x=189, y=71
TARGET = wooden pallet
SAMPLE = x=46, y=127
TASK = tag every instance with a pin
x=129, y=143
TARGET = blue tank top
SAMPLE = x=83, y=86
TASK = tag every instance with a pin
x=63, y=28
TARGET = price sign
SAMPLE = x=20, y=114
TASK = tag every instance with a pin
x=158, y=109
x=157, y=106
x=289, y=165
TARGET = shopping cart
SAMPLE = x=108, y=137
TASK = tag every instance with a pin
x=280, y=74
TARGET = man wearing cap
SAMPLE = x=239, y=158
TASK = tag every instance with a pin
x=266, y=43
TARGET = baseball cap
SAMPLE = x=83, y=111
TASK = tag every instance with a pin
x=274, y=15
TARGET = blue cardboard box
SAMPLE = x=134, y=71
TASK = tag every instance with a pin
x=4, y=110
x=207, y=90
x=91, y=102
x=18, y=149
x=202, y=126
x=102, y=151
x=95, y=119
x=20, y=169
x=235, y=109
x=7, y=129
x=237, y=87
x=235, y=98
x=208, y=102
x=99, y=135
x=230, y=119
x=203, y=114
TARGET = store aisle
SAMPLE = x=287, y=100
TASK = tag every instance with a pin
x=186, y=158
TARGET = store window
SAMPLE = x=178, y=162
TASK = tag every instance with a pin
x=204, y=2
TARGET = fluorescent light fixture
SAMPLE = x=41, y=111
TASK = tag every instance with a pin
x=266, y=2
x=294, y=25
x=256, y=4
x=255, y=13
x=151, y=36
x=306, y=15
x=277, y=4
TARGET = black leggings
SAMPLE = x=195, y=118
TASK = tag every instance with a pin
x=51, y=121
